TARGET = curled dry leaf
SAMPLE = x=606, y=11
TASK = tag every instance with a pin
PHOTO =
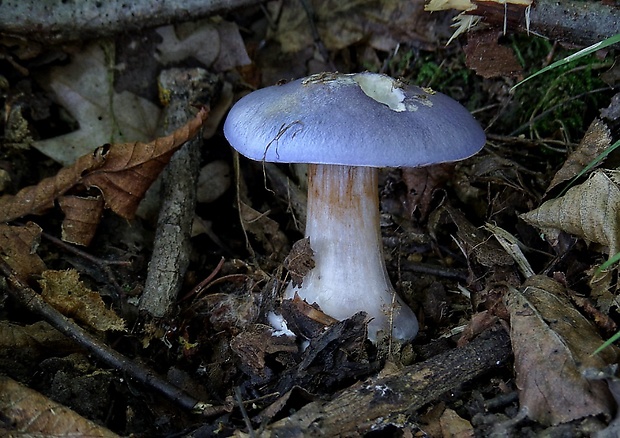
x=131, y=168
x=31, y=414
x=589, y=210
x=18, y=247
x=40, y=198
x=122, y=172
x=82, y=215
x=64, y=291
x=553, y=344
x=593, y=143
x=300, y=261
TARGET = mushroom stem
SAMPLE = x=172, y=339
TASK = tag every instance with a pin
x=349, y=274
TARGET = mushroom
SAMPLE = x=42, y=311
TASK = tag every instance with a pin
x=346, y=126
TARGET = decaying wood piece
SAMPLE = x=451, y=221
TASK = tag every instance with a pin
x=171, y=248
x=60, y=21
x=367, y=405
x=576, y=22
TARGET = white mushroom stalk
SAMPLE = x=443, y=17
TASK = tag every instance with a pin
x=349, y=274
x=346, y=126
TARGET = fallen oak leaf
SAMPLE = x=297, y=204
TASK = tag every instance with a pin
x=40, y=198
x=122, y=172
x=131, y=168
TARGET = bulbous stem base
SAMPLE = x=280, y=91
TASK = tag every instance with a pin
x=349, y=274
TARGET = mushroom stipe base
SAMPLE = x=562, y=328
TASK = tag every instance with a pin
x=350, y=274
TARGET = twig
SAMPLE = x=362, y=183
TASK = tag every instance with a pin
x=101, y=263
x=201, y=286
x=171, y=248
x=244, y=413
x=34, y=303
x=368, y=405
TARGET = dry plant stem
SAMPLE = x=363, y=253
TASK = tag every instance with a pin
x=367, y=405
x=59, y=21
x=171, y=248
x=27, y=297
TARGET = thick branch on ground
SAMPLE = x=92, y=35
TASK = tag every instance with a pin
x=60, y=21
x=368, y=405
x=577, y=22
x=171, y=248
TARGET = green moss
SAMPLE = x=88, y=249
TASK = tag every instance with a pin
x=562, y=102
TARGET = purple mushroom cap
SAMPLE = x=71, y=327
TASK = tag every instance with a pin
x=361, y=119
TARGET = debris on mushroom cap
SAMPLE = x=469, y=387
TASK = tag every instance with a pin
x=360, y=119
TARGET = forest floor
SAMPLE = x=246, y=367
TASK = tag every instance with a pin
x=498, y=255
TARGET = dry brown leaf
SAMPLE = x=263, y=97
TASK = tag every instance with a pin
x=552, y=344
x=31, y=414
x=488, y=58
x=82, y=215
x=258, y=341
x=18, y=247
x=40, y=198
x=122, y=172
x=300, y=261
x=452, y=425
x=476, y=243
x=32, y=341
x=421, y=184
x=589, y=210
x=64, y=291
x=593, y=143
x=131, y=168
x=266, y=230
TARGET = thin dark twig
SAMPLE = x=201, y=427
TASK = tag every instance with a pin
x=244, y=413
x=200, y=286
x=33, y=302
x=101, y=263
